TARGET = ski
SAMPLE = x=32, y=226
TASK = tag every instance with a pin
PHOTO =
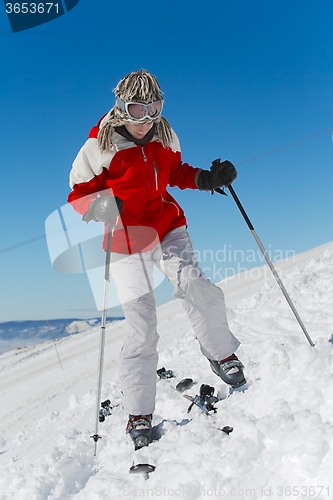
x=141, y=465
x=205, y=400
x=142, y=436
x=184, y=384
x=144, y=469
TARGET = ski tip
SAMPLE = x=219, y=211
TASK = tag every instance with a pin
x=184, y=384
x=142, y=469
x=227, y=429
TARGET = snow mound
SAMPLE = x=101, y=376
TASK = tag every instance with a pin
x=78, y=327
x=282, y=443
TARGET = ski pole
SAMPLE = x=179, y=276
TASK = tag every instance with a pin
x=269, y=262
x=54, y=343
x=96, y=436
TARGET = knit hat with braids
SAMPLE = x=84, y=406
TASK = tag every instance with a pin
x=136, y=86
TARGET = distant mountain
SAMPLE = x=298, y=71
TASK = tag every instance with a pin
x=18, y=334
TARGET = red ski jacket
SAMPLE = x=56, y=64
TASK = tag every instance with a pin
x=139, y=176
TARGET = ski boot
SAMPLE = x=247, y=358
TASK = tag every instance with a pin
x=140, y=429
x=230, y=370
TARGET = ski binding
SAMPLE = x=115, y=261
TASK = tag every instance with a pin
x=164, y=374
x=205, y=400
x=105, y=411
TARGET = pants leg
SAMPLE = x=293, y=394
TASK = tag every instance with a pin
x=202, y=300
x=138, y=359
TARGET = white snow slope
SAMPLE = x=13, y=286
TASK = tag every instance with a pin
x=282, y=442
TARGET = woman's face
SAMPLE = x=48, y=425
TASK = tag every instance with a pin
x=138, y=130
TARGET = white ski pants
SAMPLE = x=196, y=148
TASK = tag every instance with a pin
x=202, y=300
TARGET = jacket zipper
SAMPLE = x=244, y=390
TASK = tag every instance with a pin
x=156, y=176
x=143, y=154
x=171, y=203
x=145, y=160
x=154, y=166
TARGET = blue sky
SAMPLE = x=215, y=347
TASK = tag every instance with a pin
x=240, y=79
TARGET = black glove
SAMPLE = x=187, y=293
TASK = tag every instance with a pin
x=219, y=175
x=103, y=209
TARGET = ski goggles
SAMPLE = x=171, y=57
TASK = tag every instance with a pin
x=139, y=110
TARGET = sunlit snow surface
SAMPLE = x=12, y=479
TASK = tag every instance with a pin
x=281, y=446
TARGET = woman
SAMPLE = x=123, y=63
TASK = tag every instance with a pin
x=130, y=158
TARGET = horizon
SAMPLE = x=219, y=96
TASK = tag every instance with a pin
x=252, y=273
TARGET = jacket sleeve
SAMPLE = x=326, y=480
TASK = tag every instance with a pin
x=87, y=177
x=182, y=174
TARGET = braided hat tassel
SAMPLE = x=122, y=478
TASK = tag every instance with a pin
x=136, y=86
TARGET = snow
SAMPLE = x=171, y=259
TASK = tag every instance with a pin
x=281, y=446
x=77, y=326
